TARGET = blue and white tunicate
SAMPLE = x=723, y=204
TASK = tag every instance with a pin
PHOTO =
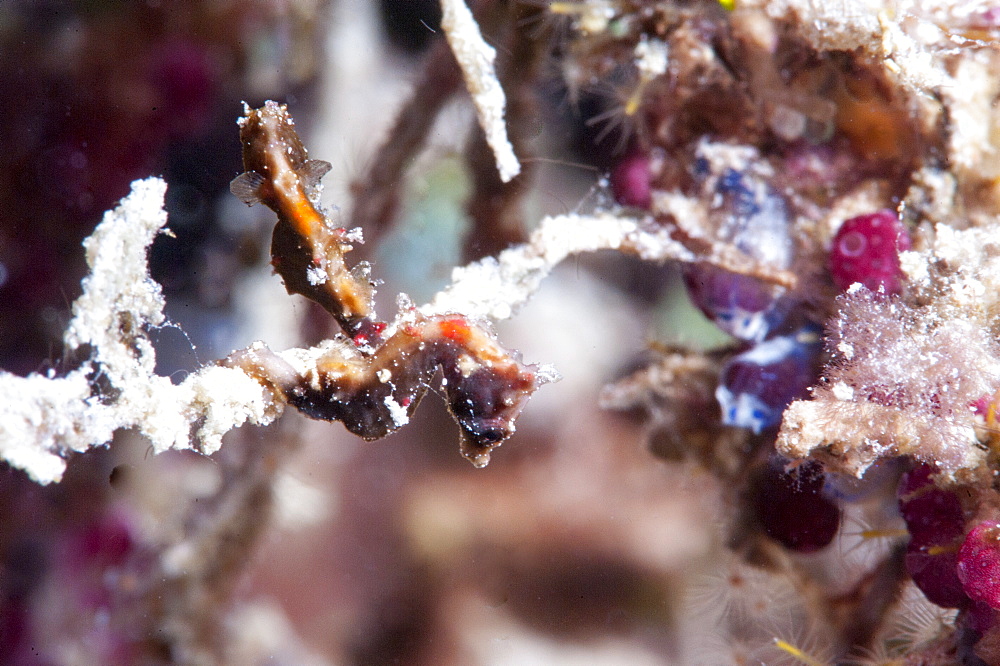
x=757, y=385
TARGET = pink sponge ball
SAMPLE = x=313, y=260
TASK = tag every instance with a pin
x=979, y=563
x=866, y=250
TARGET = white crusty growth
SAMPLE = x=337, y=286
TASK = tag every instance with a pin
x=475, y=58
x=494, y=288
x=43, y=418
x=907, y=371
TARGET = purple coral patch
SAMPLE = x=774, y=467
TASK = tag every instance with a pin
x=792, y=508
x=740, y=305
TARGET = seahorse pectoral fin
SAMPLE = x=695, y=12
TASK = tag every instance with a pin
x=246, y=187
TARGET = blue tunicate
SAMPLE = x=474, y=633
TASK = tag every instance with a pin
x=740, y=305
x=748, y=213
x=700, y=168
x=757, y=385
x=741, y=198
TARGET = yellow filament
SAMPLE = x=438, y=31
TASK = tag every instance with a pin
x=634, y=100
x=937, y=550
x=797, y=653
x=883, y=534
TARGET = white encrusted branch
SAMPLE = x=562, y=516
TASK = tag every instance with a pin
x=493, y=288
x=475, y=58
x=44, y=418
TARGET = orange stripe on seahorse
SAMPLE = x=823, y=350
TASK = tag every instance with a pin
x=304, y=217
x=456, y=329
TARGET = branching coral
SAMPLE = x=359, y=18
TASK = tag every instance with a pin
x=45, y=418
x=476, y=59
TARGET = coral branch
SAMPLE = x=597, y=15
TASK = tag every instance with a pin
x=495, y=207
x=494, y=288
x=476, y=57
x=44, y=418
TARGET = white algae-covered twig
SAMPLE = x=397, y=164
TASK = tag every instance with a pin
x=44, y=418
x=476, y=59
